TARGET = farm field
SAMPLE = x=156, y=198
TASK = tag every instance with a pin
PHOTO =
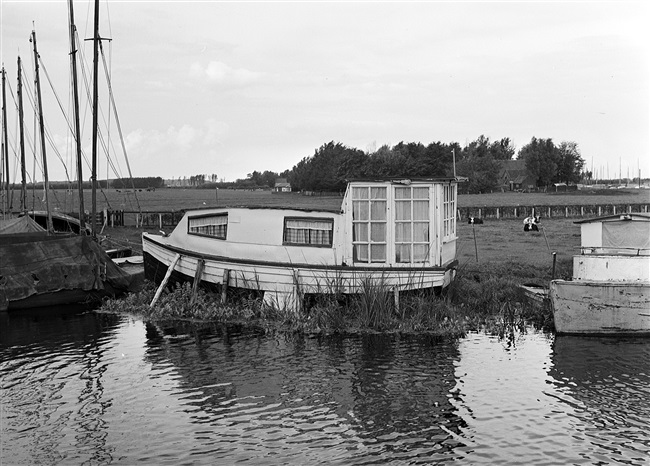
x=497, y=241
x=175, y=199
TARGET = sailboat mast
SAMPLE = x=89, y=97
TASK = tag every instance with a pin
x=46, y=180
x=23, y=170
x=5, y=147
x=77, y=127
x=93, y=178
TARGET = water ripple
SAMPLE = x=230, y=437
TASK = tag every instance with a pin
x=99, y=389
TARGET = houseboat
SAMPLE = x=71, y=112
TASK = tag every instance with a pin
x=399, y=234
x=610, y=289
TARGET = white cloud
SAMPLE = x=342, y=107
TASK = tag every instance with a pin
x=216, y=71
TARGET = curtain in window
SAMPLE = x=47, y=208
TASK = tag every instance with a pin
x=216, y=226
x=306, y=231
x=402, y=210
x=420, y=210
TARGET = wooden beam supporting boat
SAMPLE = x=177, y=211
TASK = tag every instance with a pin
x=197, y=279
x=224, y=285
x=165, y=280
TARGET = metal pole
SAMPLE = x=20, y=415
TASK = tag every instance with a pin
x=77, y=126
x=46, y=179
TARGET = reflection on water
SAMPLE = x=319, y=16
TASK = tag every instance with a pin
x=605, y=385
x=88, y=388
x=51, y=365
x=358, y=399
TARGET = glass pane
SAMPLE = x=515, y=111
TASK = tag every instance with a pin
x=360, y=232
x=420, y=210
x=420, y=193
x=402, y=193
x=421, y=232
x=378, y=232
x=360, y=210
x=359, y=193
x=420, y=252
x=403, y=210
x=403, y=233
x=377, y=253
x=403, y=253
x=378, y=210
x=377, y=193
x=360, y=253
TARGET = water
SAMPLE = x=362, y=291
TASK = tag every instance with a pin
x=87, y=388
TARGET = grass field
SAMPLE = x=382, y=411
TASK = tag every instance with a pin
x=498, y=242
x=168, y=199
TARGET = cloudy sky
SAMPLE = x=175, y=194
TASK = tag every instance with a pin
x=232, y=87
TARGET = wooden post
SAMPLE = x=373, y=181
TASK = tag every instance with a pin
x=224, y=285
x=553, y=271
x=170, y=269
x=497, y=213
x=475, y=245
x=546, y=239
x=396, y=298
x=197, y=279
x=160, y=220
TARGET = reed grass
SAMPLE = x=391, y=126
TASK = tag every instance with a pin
x=481, y=298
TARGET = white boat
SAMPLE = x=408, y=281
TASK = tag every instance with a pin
x=399, y=234
x=610, y=289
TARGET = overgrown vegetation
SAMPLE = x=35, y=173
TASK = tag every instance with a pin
x=479, y=299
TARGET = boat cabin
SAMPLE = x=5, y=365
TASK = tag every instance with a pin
x=400, y=232
x=616, y=234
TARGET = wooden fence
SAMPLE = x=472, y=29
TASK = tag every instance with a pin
x=550, y=211
x=126, y=218
x=116, y=218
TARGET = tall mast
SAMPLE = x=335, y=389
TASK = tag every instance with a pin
x=77, y=127
x=93, y=178
x=23, y=170
x=5, y=147
x=46, y=180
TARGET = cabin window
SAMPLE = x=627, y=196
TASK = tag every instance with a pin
x=214, y=226
x=449, y=211
x=369, y=223
x=411, y=224
x=308, y=231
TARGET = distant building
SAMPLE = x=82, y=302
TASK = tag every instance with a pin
x=514, y=176
x=282, y=186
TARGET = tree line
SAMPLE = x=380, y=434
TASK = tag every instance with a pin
x=333, y=164
x=480, y=161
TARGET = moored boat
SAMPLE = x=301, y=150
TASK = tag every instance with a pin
x=398, y=234
x=610, y=289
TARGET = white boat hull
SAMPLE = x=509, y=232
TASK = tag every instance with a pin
x=598, y=307
x=284, y=283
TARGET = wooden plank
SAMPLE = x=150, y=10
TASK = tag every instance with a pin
x=224, y=285
x=170, y=269
x=197, y=279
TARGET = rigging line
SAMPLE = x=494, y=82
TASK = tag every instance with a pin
x=86, y=81
x=117, y=123
x=48, y=134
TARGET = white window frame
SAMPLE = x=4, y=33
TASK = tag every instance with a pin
x=208, y=225
x=449, y=212
x=371, y=245
x=318, y=224
x=412, y=222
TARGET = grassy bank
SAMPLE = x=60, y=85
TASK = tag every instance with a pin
x=494, y=259
x=481, y=298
